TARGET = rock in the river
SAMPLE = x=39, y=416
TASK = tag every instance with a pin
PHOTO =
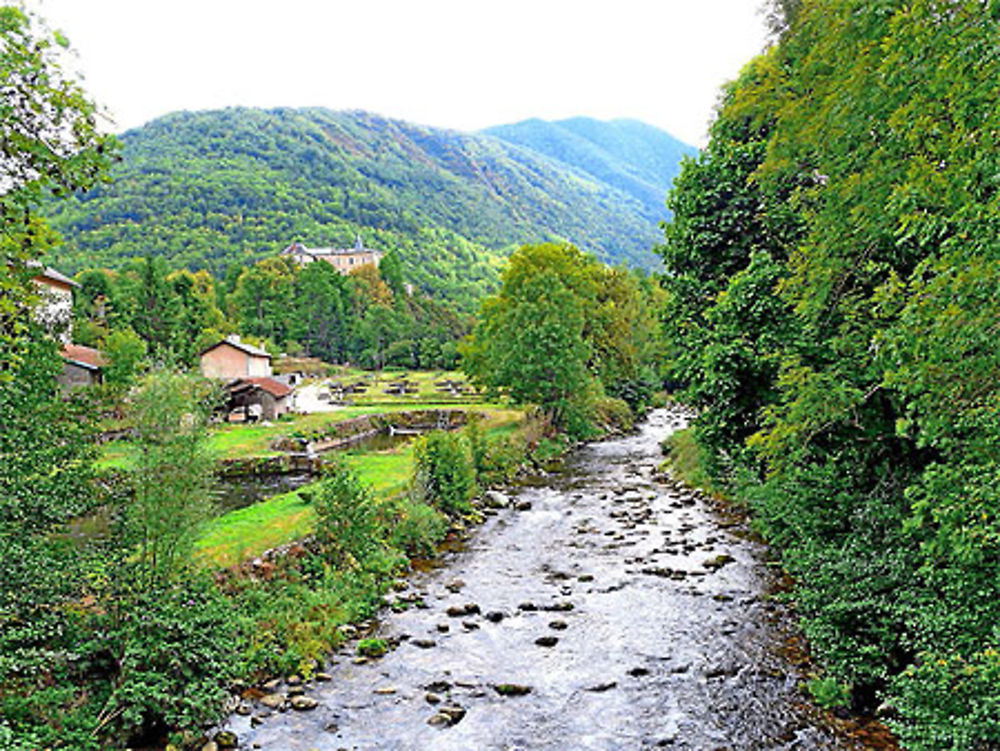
x=226, y=739
x=272, y=701
x=495, y=616
x=558, y=625
x=714, y=564
x=424, y=643
x=323, y=677
x=527, y=607
x=459, y=611
x=454, y=585
x=447, y=716
x=495, y=499
x=432, y=698
x=303, y=703
x=602, y=687
x=523, y=506
x=546, y=641
x=511, y=689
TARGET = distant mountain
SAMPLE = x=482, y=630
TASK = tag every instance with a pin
x=216, y=188
x=629, y=155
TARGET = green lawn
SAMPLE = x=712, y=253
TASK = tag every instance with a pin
x=247, y=532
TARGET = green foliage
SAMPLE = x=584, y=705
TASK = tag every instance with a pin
x=372, y=647
x=561, y=330
x=415, y=528
x=50, y=146
x=176, y=647
x=124, y=350
x=832, y=307
x=444, y=475
x=203, y=190
x=346, y=524
x=828, y=693
x=172, y=475
x=951, y=700
x=633, y=157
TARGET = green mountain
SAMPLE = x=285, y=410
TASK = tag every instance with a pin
x=628, y=155
x=216, y=188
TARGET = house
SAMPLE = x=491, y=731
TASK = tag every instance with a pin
x=54, y=311
x=258, y=398
x=230, y=358
x=82, y=366
x=343, y=260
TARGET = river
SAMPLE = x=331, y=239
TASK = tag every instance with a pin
x=626, y=612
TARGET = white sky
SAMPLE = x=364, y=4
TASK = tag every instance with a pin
x=462, y=64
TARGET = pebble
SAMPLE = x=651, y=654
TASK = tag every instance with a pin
x=304, y=703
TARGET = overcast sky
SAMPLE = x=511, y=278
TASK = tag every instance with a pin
x=462, y=64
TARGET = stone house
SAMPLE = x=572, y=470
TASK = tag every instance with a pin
x=343, y=260
x=82, y=366
x=231, y=358
x=258, y=398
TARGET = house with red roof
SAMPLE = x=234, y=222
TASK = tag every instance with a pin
x=82, y=366
x=258, y=398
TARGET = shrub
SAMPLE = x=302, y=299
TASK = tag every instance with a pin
x=443, y=473
x=372, y=647
x=175, y=646
x=417, y=529
x=346, y=525
x=950, y=702
x=614, y=415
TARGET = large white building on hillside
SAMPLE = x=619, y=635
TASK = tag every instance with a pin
x=343, y=260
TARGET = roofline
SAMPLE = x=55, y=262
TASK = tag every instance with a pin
x=246, y=348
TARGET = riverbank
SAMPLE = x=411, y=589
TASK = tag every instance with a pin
x=599, y=609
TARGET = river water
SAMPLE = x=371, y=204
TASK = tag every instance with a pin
x=660, y=632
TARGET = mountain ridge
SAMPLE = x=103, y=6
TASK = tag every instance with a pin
x=212, y=188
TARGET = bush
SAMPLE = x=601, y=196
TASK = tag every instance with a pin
x=950, y=702
x=175, y=645
x=443, y=473
x=417, y=529
x=346, y=525
x=613, y=415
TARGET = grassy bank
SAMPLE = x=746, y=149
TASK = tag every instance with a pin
x=686, y=461
x=247, y=532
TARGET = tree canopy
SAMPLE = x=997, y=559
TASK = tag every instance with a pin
x=832, y=276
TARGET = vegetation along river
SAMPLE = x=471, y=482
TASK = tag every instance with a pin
x=617, y=612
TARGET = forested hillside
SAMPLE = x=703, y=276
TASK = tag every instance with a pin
x=633, y=157
x=833, y=272
x=209, y=189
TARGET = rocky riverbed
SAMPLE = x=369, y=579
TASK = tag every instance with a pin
x=605, y=608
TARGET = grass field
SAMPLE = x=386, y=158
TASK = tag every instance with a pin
x=247, y=532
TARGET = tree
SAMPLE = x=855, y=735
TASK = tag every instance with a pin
x=49, y=143
x=530, y=337
x=173, y=471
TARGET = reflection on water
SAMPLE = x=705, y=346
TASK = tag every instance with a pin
x=236, y=492
x=230, y=493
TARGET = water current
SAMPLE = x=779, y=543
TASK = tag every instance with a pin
x=623, y=611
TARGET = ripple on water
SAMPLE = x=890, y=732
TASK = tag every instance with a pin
x=656, y=646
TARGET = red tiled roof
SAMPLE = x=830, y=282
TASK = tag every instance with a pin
x=271, y=386
x=88, y=357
